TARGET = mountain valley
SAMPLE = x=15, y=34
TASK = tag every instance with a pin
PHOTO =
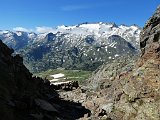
x=89, y=71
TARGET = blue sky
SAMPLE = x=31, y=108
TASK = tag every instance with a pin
x=30, y=14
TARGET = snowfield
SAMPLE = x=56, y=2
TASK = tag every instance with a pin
x=55, y=76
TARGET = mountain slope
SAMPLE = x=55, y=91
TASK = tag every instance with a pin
x=87, y=55
x=125, y=89
x=85, y=46
x=23, y=97
x=99, y=30
x=17, y=40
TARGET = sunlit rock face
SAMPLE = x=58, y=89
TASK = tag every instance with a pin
x=132, y=92
x=150, y=37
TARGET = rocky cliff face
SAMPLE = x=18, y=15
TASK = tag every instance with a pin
x=132, y=94
x=23, y=97
x=150, y=38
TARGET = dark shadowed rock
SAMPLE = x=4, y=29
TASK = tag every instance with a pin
x=23, y=97
x=45, y=105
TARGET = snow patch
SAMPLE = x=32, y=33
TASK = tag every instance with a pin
x=116, y=55
x=113, y=44
x=55, y=76
x=59, y=83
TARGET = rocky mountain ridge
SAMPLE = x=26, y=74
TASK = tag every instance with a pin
x=59, y=53
x=85, y=46
x=98, y=30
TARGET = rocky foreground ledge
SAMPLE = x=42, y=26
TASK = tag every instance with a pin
x=23, y=97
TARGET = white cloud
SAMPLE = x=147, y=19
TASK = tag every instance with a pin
x=74, y=7
x=45, y=29
x=22, y=29
x=42, y=29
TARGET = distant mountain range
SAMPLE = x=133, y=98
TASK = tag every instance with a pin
x=84, y=46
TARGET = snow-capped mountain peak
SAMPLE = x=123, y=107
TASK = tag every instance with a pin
x=100, y=30
x=76, y=46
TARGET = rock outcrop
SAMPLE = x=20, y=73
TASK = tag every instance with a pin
x=132, y=94
x=23, y=97
x=150, y=38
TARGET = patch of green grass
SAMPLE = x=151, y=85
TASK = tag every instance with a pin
x=73, y=75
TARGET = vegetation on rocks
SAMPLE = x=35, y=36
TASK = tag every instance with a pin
x=69, y=75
